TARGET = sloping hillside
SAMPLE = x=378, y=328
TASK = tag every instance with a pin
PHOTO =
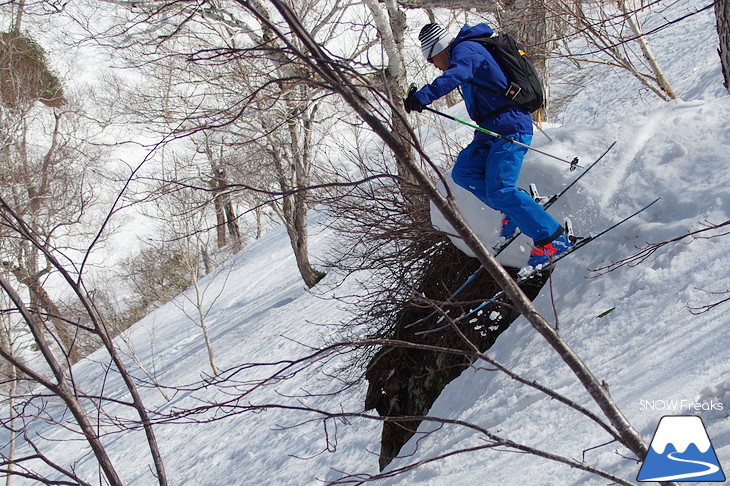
x=642, y=327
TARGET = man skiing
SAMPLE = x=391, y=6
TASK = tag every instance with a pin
x=488, y=167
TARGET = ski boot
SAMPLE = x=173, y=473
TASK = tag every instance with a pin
x=540, y=256
x=508, y=230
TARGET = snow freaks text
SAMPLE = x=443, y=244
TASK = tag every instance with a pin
x=680, y=405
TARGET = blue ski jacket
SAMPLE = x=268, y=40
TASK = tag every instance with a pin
x=470, y=65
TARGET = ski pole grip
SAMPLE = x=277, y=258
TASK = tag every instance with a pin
x=574, y=164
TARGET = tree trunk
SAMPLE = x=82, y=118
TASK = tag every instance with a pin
x=233, y=231
x=530, y=22
x=9, y=377
x=220, y=217
x=298, y=235
x=646, y=51
x=300, y=132
x=225, y=216
x=391, y=24
x=204, y=327
x=293, y=213
x=722, y=13
x=42, y=303
x=292, y=164
x=454, y=5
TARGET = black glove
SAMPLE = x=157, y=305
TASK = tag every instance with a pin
x=411, y=103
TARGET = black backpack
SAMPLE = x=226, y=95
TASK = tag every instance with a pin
x=525, y=88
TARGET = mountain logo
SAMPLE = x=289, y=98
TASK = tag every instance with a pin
x=681, y=451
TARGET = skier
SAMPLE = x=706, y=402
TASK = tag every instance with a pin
x=488, y=167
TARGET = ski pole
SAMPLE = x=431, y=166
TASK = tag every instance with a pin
x=573, y=163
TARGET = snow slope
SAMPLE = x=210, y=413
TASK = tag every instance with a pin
x=657, y=357
x=650, y=349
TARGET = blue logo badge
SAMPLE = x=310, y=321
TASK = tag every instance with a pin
x=681, y=451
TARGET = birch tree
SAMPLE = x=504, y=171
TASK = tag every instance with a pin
x=722, y=15
x=226, y=219
x=390, y=21
x=613, y=31
x=630, y=15
x=532, y=24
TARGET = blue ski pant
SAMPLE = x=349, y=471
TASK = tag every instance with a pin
x=489, y=169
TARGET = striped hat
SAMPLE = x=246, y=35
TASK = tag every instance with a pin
x=434, y=39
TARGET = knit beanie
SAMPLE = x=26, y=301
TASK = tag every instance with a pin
x=434, y=39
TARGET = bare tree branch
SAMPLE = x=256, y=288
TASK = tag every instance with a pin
x=479, y=5
x=651, y=248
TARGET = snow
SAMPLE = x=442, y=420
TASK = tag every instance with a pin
x=657, y=356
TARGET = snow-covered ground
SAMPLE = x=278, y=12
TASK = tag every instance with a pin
x=650, y=349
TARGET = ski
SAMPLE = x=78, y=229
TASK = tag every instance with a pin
x=528, y=274
x=557, y=196
x=500, y=248
x=581, y=242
